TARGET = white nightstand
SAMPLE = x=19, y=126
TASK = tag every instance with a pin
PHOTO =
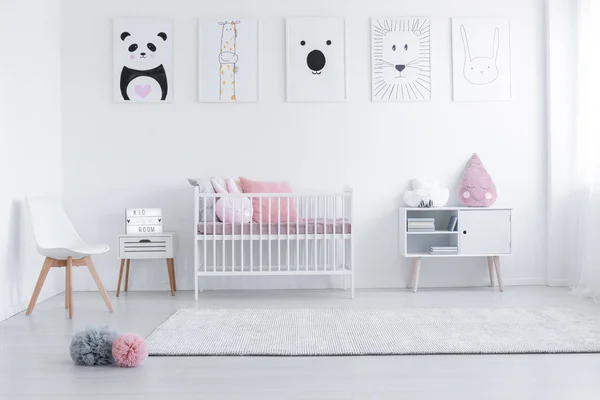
x=481, y=232
x=146, y=246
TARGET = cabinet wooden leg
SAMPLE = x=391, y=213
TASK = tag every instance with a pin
x=499, y=273
x=127, y=275
x=417, y=270
x=169, y=270
x=490, y=261
x=411, y=275
x=120, y=277
x=173, y=273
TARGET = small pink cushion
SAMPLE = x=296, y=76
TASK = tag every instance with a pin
x=477, y=188
x=250, y=186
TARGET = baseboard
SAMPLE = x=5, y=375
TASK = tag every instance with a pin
x=557, y=282
x=22, y=306
x=525, y=282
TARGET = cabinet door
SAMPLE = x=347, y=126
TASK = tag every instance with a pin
x=485, y=232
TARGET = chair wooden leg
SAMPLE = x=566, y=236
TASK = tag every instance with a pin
x=90, y=264
x=127, y=275
x=120, y=277
x=173, y=273
x=39, y=285
x=67, y=285
x=490, y=261
x=170, y=277
x=499, y=273
x=70, y=280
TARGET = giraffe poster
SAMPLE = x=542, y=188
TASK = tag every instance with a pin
x=316, y=59
x=228, y=58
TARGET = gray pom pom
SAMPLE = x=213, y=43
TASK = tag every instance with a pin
x=93, y=346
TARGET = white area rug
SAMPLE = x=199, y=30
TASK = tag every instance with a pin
x=378, y=331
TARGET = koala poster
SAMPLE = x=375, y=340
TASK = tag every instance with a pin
x=316, y=59
x=142, y=60
x=228, y=60
x=401, y=69
x=481, y=59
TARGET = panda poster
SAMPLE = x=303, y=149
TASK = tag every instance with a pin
x=481, y=59
x=400, y=59
x=143, y=60
x=228, y=60
x=316, y=59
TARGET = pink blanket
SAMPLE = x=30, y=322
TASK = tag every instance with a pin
x=306, y=226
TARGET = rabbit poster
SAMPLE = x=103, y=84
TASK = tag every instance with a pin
x=481, y=59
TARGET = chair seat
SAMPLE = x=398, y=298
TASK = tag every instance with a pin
x=76, y=252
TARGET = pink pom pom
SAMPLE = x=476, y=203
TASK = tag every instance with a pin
x=129, y=350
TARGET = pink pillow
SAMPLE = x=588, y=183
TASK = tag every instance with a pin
x=477, y=188
x=250, y=186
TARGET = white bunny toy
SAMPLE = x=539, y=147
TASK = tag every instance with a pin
x=480, y=70
x=426, y=193
x=232, y=209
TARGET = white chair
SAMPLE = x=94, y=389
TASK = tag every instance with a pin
x=58, y=241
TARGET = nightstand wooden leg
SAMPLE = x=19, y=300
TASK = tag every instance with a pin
x=120, y=276
x=67, y=285
x=173, y=273
x=490, y=261
x=499, y=273
x=417, y=268
x=170, y=277
x=127, y=274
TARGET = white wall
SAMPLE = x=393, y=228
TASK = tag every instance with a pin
x=119, y=156
x=30, y=127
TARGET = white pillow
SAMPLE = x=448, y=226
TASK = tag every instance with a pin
x=205, y=186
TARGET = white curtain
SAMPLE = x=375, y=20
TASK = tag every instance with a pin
x=584, y=240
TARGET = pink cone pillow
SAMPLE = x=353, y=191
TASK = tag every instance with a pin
x=477, y=188
x=250, y=186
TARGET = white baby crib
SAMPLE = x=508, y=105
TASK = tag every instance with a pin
x=318, y=242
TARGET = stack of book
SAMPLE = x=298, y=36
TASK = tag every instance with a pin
x=421, y=225
x=443, y=250
x=143, y=220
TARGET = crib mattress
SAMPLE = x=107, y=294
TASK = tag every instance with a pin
x=304, y=227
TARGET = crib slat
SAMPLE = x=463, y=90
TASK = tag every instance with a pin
x=223, y=240
x=251, y=238
x=325, y=240
x=214, y=232
x=344, y=236
x=287, y=253
x=260, y=240
x=203, y=236
x=233, y=237
x=315, y=241
x=241, y=235
x=305, y=200
x=278, y=233
x=335, y=247
x=269, y=228
x=299, y=210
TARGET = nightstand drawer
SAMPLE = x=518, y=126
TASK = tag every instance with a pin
x=145, y=247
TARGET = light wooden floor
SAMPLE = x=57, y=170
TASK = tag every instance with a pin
x=35, y=363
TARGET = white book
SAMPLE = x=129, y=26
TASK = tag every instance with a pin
x=144, y=220
x=143, y=212
x=141, y=229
